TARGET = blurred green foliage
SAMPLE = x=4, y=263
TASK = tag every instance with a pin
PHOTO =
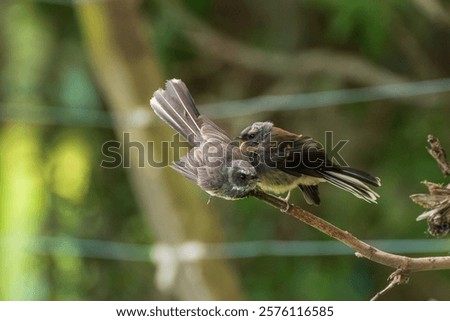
x=362, y=23
x=51, y=183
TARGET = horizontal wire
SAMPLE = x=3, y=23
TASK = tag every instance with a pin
x=229, y=109
x=60, y=116
x=63, y=246
x=326, y=98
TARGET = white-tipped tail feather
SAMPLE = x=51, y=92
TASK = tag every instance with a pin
x=351, y=185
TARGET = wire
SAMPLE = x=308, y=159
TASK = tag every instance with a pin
x=62, y=246
x=326, y=98
x=65, y=246
x=43, y=115
x=46, y=115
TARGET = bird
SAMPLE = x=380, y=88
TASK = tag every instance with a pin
x=285, y=161
x=214, y=163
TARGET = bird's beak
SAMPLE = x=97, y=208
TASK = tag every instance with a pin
x=243, y=146
x=238, y=137
x=247, y=147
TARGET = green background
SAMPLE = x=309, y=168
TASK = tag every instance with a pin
x=60, y=211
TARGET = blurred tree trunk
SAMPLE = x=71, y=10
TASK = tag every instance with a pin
x=128, y=74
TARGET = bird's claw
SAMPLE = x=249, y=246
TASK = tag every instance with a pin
x=286, y=200
x=286, y=209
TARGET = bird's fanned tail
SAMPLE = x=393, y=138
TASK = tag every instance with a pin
x=176, y=107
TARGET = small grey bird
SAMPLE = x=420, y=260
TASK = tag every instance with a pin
x=214, y=163
x=284, y=161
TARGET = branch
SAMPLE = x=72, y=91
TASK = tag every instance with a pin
x=363, y=249
x=311, y=61
x=438, y=153
x=404, y=265
x=434, y=10
x=306, y=63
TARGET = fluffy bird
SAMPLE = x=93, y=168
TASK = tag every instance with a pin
x=285, y=161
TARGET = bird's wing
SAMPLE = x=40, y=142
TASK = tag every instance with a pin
x=188, y=165
x=298, y=155
x=209, y=179
x=211, y=132
x=185, y=168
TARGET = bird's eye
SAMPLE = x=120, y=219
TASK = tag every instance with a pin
x=251, y=136
x=243, y=176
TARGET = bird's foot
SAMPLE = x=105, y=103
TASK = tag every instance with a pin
x=286, y=200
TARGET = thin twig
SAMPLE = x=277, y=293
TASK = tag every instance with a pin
x=438, y=153
x=397, y=278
